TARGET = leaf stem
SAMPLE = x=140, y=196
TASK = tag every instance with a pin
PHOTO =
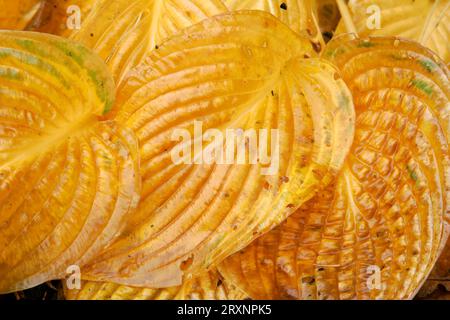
x=429, y=26
x=346, y=17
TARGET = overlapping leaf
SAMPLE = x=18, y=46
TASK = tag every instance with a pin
x=67, y=181
x=425, y=21
x=238, y=71
x=123, y=32
x=297, y=14
x=377, y=232
x=209, y=286
x=16, y=15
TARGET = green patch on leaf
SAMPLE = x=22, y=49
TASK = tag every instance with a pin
x=79, y=54
x=427, y=65
x=101, y=91
x=422, y=85
x=335, y=52
x=412, y=173
x=26, y=44
x=365, y=44
x=69, y=51
x=344, y=101
x=33, y=60
x=10, y=74
x=32, y=47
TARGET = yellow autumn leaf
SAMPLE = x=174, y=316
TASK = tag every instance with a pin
x=16, y=15
x=425, y=21
x=238, y=75
x=377, y=231
x=67, y=181
x=123, y=32
x=299, y=15
x=209, y=286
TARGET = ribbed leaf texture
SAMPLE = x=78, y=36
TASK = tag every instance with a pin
x=299, y=15
x=385, y=214
x=123, y=32
x=242, y=70
x=425, y=21
x=67, y=180
x=209, y=286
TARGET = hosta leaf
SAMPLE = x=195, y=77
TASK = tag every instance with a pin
x=123, y=32
x=238, y=71
x=16, y=15
x=209, y=286
x=425, y=21
x=384, y=214
x=297, y=14
x=66, y=180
